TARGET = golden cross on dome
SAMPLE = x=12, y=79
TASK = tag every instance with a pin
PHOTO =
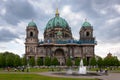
x=57, y=12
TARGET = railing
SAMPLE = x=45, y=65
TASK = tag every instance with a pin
x=70, y=42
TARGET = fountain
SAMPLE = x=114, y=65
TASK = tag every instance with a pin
x=81, y=72
x=82, y=68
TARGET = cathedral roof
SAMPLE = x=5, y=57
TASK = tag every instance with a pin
x=32, y=24
x=57, y=21
x=86, y=24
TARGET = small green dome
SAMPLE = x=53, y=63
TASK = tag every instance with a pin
x=86, y=24
x=57, y=21
x=32, y=24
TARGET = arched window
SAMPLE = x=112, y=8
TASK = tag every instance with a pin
x=31, y=34
x=87, y=34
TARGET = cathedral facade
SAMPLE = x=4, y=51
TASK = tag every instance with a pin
x=58, y=41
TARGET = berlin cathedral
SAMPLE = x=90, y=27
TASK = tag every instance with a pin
x=58, y=41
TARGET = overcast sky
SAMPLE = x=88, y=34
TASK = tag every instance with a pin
x=104, y=16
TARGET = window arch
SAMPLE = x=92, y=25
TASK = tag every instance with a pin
x=87, y=33
x=31, y=34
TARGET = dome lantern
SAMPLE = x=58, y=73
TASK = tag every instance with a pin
x=57, y=12
x=86, y=24
x=32, y=24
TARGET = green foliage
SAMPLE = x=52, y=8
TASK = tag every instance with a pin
x=77, y=61
x=17, y=61
x=32, y=61
x=10, y=59
x=55, y=61
x=111, y=61
x=47, y=61
x=39, y=61
x=85, y=62
x=69, y=62
x=23, y=60
x=2, y=60
x=100, y=62
x=93, y=61
x=116, y=61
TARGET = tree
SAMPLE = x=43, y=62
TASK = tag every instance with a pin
x=55, y=61
x=116, y=61
x=17, y=61
x=23, y=60
x=1, y=60
x=10, y=59
x=108, y=61
x=85, y=62
x=100, y=62
x=32, y=61
x=77, y=61
x=47, y=61
x=39, y=61
x=93, y=61
x=111, y=61
x=69, y=62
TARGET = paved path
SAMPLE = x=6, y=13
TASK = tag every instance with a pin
x=111, y=76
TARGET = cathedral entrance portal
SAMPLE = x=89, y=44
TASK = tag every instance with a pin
x=59, y=54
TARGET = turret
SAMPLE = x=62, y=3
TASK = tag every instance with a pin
x=31, y=42
x=86, y=32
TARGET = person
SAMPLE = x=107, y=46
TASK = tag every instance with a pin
x=106, y=71
x=15, y=69
x=23, y=69
x=8, y=68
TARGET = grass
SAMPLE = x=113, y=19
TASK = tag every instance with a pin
x=31, y=70
x=55, y=69
x=40, y=69
x=18, y=76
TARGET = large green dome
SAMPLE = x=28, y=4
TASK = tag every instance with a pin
x=57, y=21
x=32, y=24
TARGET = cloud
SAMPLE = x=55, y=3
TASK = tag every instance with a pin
x=16, y=10
x=109, y=31
x=6, y=35
x=117, y=8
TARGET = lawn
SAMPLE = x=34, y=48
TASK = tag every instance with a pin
x=31, y=70
x=40, y=69
x=23, y=76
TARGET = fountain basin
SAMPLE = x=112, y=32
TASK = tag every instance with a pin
x=69, y=71
x=82, y=70
x=77, y=74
